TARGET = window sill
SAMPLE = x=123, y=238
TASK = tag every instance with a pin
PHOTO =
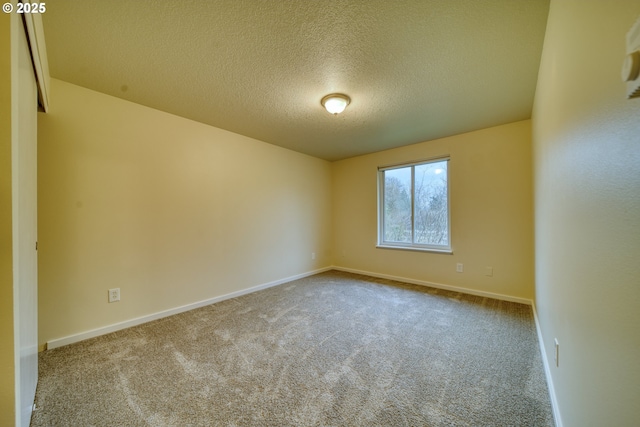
x=415, y=249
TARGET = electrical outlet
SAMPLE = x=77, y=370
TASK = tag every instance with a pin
x=313, y=255
x=556, y=355
x=459, y=267
x=489, y=272
x=114, y=295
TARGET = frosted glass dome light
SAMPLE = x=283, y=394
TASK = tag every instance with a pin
x=335, y=103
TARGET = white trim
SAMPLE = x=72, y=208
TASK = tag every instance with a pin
x=59, y=342
x=552, y=394
x=446, y=157
x=35, y=36
x=148, y=318
x=438, y=285
x=415, y=248
x=547, y=370
x=381, y=201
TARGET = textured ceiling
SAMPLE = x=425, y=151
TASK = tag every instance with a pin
x=415, y=70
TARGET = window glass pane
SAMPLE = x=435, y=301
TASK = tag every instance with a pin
x=397, y=205
x=431, y=217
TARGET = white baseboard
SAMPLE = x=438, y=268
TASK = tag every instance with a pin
x=547, y=370
x=59, y=342
x=437, y=285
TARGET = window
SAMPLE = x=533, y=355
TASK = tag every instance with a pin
x=414, y=206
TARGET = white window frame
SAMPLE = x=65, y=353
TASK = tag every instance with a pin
x=412, y=246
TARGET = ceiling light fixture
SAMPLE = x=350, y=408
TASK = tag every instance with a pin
x=335, y=103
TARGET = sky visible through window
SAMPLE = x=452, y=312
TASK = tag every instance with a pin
x=427, y=222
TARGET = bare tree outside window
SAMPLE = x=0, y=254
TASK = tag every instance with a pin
x=397, y=205
x=415, y=205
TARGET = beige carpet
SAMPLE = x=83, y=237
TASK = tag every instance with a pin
x=334, y=349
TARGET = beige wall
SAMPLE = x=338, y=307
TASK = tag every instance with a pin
x=491, y=213
x=586, y=139
x=169, y=210
x=7, y=354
